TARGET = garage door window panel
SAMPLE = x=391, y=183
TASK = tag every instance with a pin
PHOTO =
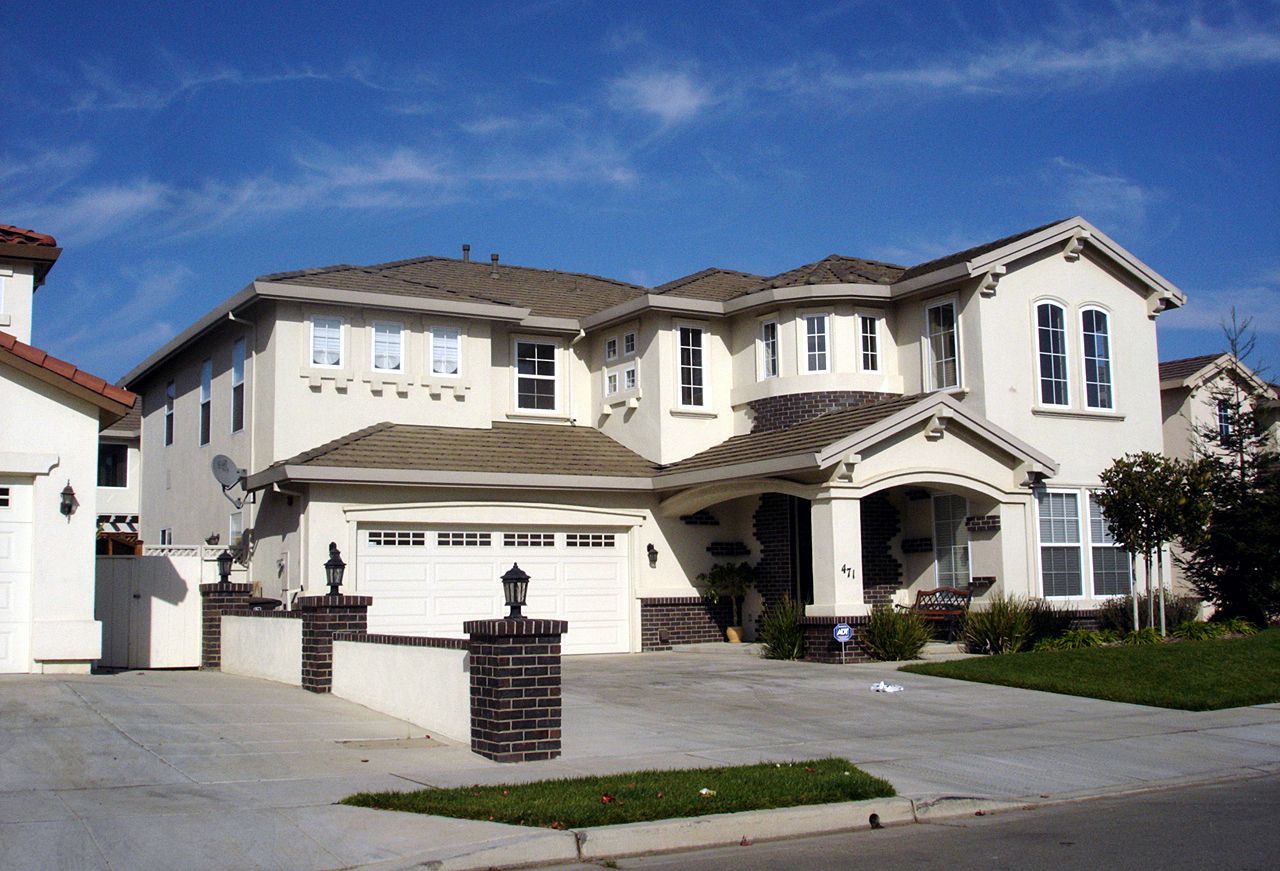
x=464, y=539
x=528, y=539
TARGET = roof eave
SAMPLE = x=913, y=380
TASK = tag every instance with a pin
x=803, y=462
x=109, y=410
x=307, y=474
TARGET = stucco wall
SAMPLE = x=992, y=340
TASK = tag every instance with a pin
x=17, y=282
x=123, y=500
x=265, y=647
x=428, y=686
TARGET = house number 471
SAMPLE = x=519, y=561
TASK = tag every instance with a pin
x=846, y=570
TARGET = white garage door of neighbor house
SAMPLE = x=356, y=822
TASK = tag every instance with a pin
x=15, y=576
x=427, y=581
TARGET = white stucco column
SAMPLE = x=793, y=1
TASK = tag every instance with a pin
x=837, y=554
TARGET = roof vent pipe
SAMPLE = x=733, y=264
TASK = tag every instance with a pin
x=494, y=260
x=466, y=253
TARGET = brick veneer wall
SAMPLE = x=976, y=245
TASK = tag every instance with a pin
x=682, y=620
x=515, y=688
x=216, y=600
x=772, y=526
x=776, y=412
x=322, y=618
x=982, y=523
x=881, y=572
x=820, y=644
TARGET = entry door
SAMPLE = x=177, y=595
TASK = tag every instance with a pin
x=951, y=541
x=15, y=576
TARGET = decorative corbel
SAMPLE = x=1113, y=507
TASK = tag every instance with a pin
x=1075, y=245
x=844, y=468
x=987, y=284
x=936, y=427
x=1156, y=305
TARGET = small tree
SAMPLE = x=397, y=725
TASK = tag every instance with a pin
x=731, y=580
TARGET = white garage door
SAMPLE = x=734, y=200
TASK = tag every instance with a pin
x=15, y=576
x=427, y=581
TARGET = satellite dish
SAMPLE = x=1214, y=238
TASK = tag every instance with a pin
x=226, y=471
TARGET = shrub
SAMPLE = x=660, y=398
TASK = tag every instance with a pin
x=1117, y=613
x=1074, y=639
x=1197, y=630
x=896, y=635
x=781, y=630
x=1048, y=621
x=1238, y=626
x=1003, y=627
x=1146, y=635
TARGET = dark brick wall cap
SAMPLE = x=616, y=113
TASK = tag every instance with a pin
x=309, y=603
x=674, y=600
x=403, y=640
x=219, y=587
x=515, y=628
x=832, y=621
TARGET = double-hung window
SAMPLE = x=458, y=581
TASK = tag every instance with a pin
x=629, y=381
x=610, y=383
x=768, y=349
x=611, y=349
x=692, y=352
x=237, y=385
x=817, y=330
x=869, y=331
x=1224, y=419
x=1110, y=561
x=1060, y=563
x=446, y=351
x=326, y=342
x=388, y=347
x=536, y=386
x=206, y=401
x=1051, y=333
x=170, y=396
x=943, y=346
x=1096, y=334
x=629, y=344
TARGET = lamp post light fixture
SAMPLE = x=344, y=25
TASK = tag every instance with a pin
x=653, y=555
x=334, y=569
x=515, y=586
x=68, y=504
x=224, y=566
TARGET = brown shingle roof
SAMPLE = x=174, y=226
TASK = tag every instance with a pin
x=970, y=253
x=803, y=438
x=838, y=269
x=1173, y=370
x=514, y=448
x=65, y=370
x=713, y=284
x=129, y=425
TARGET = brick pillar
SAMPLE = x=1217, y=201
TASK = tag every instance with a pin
x=216, y=600
x=321, y=617
x=515, y=688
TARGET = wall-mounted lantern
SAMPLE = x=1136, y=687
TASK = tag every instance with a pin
x=515, y=587
x=68, y=504
x=334, y=569
x=653, y=555
x=224, y=566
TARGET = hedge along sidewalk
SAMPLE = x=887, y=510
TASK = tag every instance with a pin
x=641, y=796
x=1188, y=675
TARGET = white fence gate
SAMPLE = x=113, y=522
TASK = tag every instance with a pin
x=149, y=606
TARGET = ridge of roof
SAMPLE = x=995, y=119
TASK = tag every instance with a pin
x=68, y=371
x=1185, y=366
x=11, y=235
x=480, y=263
x=674, y=283
x=976, y=251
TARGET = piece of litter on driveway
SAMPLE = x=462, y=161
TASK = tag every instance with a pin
x=882, y=687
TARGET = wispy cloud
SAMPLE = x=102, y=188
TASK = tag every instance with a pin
x=1210, y=308
x=1106, y=198
x=671, y=97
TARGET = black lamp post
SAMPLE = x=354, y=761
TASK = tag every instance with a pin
x=224, y=566
x=334, y=568
x=515, y=586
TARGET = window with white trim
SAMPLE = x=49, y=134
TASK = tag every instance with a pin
x=942, y=346
x=1224, y=419
x=1059, y=527
x=166, y=537
x=388, y=347
x=951, y=541
x=1051, y=340
x=629, y=378
x=446, y=346
x=629, y=344
x=768, y=349
x=237, y=385
x=528, y=539
x=170, y=397
x=869, y=331
x=611, y=348
x=536, y=379
x=610, y=383
x=4, y=497
x=396, y=538
x=589, y=539
x=235, y=528
x=326, y=342
x=692, y=352
x=1110, y=561
x=1096, y=335
x=206, y=401
x=463, y=539
x=817, y=329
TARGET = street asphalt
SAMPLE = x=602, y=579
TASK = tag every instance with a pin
x=146, y=770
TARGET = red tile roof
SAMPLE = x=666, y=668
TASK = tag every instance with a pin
x=12, y=235
x=69, y=371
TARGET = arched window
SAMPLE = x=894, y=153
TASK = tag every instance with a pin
x=1051, y=331
x=1096, y=330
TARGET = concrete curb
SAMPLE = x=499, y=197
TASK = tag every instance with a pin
x=537, y=847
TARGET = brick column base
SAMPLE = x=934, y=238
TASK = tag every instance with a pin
x=820, y=644
x=322, y=616
x=515, y=688
x=216, y=600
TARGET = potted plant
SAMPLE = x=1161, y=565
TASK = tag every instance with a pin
x=731, y=581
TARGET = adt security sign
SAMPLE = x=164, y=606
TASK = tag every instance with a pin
x=843, y=633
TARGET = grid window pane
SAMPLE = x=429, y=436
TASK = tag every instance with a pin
x=1052, y=333
x=528, y=539
x=629, y=343
x=387, y=354
x=536, y=380
x=1059, y=528
x=691, y=388
x=815, y=330
x=611, y=349
x=396, y=538
x=589, y=539
x=444, y=350
x=769, y=349
x=463, y=539
x=1097, y=359
x=870, y=344
x=629, y=378
x=944, y=364
x=326, y=342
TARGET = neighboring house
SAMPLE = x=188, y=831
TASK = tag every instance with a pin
x=119, y=471
x=48, y=470
x=858, y=430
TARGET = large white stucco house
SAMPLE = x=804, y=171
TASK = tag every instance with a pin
x=48, y=471
x=858, y=430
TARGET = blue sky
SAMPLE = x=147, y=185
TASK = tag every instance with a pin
x=177, y=152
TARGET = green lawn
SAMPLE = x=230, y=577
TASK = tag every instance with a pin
x=641, y=795
x=1190, y=675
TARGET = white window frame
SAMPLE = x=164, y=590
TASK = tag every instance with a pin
x=1084, y=359
x=611, y=382
x=235, y=520
x=1092, y=545
x=432, y=338
x=703, y=367
x=930, y=369
x=611, y=349
x=630, y=377
x=1081, y=544
x=557, y=378
x=874, y=336
x=342, y=342
x=628, y=344
x=204, y=418
x=389, y=328
x=237, y=383
x=764, y=354
x=166, y=536
x=1041, y=352
x=963, y=530
x=828, y=352
x=1222, y=418
x=170, y=401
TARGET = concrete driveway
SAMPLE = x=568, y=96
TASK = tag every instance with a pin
x=204, y=770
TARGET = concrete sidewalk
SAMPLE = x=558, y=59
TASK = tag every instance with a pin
x=205, y=770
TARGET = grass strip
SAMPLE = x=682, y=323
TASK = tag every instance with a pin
x=641, y=795
x=1188, y=675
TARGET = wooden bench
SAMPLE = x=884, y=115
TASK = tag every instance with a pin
x=945, y=605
